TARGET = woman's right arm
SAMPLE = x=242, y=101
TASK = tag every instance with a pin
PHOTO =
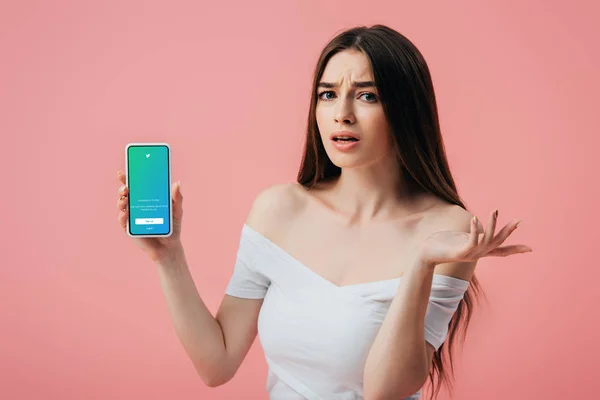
x=215, y=345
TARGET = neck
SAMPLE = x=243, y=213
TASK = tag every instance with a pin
x=374, y=192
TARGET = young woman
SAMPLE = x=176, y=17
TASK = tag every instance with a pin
x=354, y=276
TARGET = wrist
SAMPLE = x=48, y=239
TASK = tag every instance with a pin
x=170, y=257
x=421, y=262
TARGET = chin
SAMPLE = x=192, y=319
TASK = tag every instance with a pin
x=346, y=160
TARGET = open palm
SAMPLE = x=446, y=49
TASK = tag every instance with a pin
x=452, y=246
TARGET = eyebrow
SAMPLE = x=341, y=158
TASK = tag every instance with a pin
x=364, y=84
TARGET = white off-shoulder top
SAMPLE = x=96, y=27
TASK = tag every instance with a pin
x=316, y=335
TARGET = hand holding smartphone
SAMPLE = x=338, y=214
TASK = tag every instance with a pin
x=150, y=206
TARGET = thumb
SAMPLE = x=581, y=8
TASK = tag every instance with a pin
x=177, y=200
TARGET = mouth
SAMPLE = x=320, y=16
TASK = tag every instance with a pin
x=344, y=137
x=344, y=140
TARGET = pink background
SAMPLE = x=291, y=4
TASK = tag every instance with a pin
x=227, y=85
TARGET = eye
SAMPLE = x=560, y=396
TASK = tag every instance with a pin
x=329, y=95
x=326, y=92
x=372, y=98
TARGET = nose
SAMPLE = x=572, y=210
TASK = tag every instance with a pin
x=344, y=112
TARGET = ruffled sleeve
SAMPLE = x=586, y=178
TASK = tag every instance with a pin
x=247, y=281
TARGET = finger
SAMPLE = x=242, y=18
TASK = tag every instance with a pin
x=489, y=234
x=122, y=202
x=123, y=191
x=473, y=235
x=177, y=200
x=121, y=176
x=505, y=232
x=509, y=250
x=122, y=218
x=480, y=229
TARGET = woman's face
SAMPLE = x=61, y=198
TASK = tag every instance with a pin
x=348, y=104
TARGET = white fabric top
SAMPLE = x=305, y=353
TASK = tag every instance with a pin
x=316, y=335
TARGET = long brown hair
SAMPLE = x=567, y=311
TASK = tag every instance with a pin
x=406, y=93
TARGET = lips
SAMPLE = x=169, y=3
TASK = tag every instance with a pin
x=344, y=135
x=345, y=141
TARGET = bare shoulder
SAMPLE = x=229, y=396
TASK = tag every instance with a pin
x=279, y=202
x=446, y=216
x=456, y=218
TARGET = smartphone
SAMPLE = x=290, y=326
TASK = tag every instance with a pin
x=148, y=177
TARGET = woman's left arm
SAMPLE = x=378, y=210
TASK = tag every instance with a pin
x=400, y=359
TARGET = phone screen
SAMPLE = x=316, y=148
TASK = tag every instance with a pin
x=149, y=189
